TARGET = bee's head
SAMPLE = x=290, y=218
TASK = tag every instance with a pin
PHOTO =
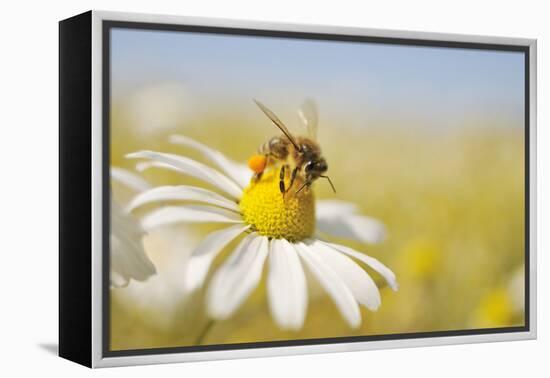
x=316, y=167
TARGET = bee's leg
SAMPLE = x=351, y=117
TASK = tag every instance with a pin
x=282, y=180
x=304, y=186
x=292, y=178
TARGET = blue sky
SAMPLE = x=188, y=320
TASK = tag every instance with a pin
x=363, y=81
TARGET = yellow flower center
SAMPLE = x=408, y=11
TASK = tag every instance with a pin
x=271, y=215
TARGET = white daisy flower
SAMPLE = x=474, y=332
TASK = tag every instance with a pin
x=128, y=257
x=281, y=232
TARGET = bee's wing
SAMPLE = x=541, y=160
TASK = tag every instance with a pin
x=278, y=123
x=310, y=117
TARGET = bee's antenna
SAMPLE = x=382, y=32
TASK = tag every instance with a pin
x=330, y=182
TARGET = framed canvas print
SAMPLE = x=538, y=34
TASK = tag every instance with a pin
x=236, y=189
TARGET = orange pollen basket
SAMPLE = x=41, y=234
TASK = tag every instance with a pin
x=257, y=163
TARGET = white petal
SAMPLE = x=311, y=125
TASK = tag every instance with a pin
x=181, y=193
x=188, y=214
x=238, y=172
x=384, y=271
x=286, y=285
x=129, y=179
x=237, y=277
x=118, y=280
x=206, y=252
x=359, y=282
x=192, y=168
x=127, y=254
x=354, y=227
x=144, y=165
x=332, y=283
x=339, y=219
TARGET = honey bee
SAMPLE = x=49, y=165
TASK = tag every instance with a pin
x=301, y=154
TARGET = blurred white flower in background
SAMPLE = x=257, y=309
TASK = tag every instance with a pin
x=166, y=252
x=516, y=289
x=157, y=108
x=342, y=219
x=128, y=258
x=162, y=295
x=502, y=305
x=280, y=231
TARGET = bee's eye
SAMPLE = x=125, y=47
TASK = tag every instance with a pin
x=309, y=166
